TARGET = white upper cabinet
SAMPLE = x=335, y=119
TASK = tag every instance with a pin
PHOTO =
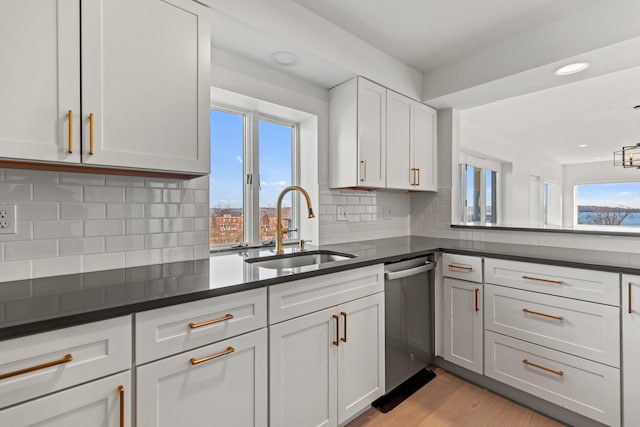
x=380, y=139
x=40, y=84
x=140, y=68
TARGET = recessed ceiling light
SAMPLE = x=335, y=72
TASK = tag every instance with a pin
x=582, y=145
x=569, y=69
x=285, y=58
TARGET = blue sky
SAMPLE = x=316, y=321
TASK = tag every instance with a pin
x=625, y=194
x=227, y=177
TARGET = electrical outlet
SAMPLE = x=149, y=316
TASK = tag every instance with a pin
x=7, y=219
x=341, y=213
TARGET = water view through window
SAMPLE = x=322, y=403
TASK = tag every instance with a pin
x=613, y=204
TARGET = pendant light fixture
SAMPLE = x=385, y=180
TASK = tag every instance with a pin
x=629, y=155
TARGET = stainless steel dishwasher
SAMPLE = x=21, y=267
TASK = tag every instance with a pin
x=409, y=323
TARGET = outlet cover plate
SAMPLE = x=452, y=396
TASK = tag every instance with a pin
x=7, y=219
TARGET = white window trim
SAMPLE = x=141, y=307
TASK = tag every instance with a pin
x=467, y=159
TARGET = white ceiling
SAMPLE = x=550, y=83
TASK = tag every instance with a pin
x=597, y=111
x=429, y=33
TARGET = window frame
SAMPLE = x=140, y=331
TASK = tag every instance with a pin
x=484, y=165
x=251, y=175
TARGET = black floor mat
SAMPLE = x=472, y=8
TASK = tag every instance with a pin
x=396, y=396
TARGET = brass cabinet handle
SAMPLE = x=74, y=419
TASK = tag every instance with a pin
x=121, y=392
x=413, y=176
x=210, y=322
x=344, y=338
x=475, y=297
x=550, y=316
x=91, y=126
x=363, y=169
x=70, y=147
x=630, y=310
x=461, y=267
x=337, y=341
x=66, y=359
x=557, y=282
x=229, y=350
x=526, y=362
x=418, y=169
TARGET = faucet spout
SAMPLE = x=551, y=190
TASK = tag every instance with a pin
x=280, y=230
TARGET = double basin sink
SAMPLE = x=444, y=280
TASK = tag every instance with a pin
x=299, y=259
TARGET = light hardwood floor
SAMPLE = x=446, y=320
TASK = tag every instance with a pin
x=450, y=401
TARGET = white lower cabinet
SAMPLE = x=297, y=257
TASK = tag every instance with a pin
x=631, y=349
x=328, y=366
x=105, y=403
x=463, y=324
x=220, y=384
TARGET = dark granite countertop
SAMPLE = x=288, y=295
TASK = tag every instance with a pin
x=38, y=305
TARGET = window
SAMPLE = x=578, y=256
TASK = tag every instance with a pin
x=253, y=158
x=608, y=204
x=479, y=195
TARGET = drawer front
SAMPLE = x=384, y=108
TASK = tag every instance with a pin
x=588, y=285
x=178, y=328
x=97, y=350
x=581, y=328
x=588, y=388
x=300, y=297
x=462, y=267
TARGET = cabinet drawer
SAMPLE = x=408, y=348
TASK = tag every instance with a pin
x=178, y=328
x=588, y=285
x=97, y=350
x=462, y=267
x=293, y=299
x=581, y=328
x=580, y=385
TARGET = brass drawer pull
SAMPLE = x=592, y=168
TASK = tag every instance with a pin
x=121, y=392
x=91, y=126
x=418, y=183
x=210, y=322
x=476, y=291
x=557, y=282
x=70, y=148
x=363, y=170
x=66, y=359
x=413, y=180
x=550, y=316
x=630, y=309
x=344, y=338
x=337, y=341
x=229, y=350
x=526, y=362
x=460, y=267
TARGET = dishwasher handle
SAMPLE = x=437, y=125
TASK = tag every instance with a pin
x=393, y=275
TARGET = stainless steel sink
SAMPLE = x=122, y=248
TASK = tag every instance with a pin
x=299, y=259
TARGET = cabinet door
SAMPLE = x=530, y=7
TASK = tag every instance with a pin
x=372, y=122
x=631, y=348
x=145, y=79
x=98, y=403
x=226, y=386
x=400, y=172
x=425, y=154
x=361, y=356
x=463, y=324
x=40, y=84
x=303, y=372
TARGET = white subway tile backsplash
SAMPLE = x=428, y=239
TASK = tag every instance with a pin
x=125, y=243
x=155, y=241
x=16, y=270
x=57, y=193
x=31, y=176
x=177, y=196
x=125, y=210
x=56, y=266
x=194, y=210
x=124, y=181
x=106, y=227
x=200, y=183
x=163, y=210
x=146, y=257
x=38, y=211
x=201, y=223
x=15, y=192
x=81, y=178
x=103, y=261
x=24, y=231
x=143, y=226
x=143, y=195
x=30, y=249
x=174, y=225
x=161, y=183
x=82, y=246
x=82, y=211
x=201, y=251
x=57, y=229
x=192, y=238
x=177, y=254
x=104, y=194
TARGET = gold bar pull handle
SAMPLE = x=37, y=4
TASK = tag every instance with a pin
x=363, y=170
x=550, y=316
x=91, y=132
x=229, y=350
x=70, y=147
x=193, y=325
x=418, y=169
x=629, y=303
x=337, y=341
x=537, y=279
x=121, y=392
x=413, y=176
x=344, y=338
x=476, y=291
x=66, y=359
x=460, y=267
x=535, y=365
